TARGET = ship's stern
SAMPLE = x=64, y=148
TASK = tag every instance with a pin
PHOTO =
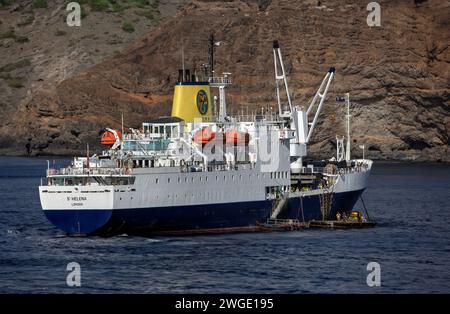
x=77, y=210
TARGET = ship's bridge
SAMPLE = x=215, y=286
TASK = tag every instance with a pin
x=163, y=128
x=156, y=135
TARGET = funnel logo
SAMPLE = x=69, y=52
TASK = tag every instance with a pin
x=202, y=102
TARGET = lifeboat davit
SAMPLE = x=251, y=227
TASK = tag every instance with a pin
x=204, y=136
x=237, y=138
x=109, y=138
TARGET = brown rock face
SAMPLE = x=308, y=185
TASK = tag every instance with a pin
x=398, y=76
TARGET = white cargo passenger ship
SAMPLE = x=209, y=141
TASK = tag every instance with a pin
x=201, y=170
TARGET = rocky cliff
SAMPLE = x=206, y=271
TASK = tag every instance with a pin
x=397, y=74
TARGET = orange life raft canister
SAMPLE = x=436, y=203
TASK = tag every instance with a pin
x=108, y=138
x=204, y=135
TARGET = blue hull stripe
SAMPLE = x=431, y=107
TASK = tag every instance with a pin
x=79, y=222
x=193, y=217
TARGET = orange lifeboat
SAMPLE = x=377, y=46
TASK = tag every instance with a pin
x=204, y=136
x=237, y=138
x=109, y=138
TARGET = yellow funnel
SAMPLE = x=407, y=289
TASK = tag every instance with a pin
x=192, y=100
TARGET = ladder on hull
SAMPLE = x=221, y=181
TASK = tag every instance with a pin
x=326, y=203
x=279, y=206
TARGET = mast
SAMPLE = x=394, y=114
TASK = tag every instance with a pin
x=88, y=163
x=221, y=82
x=211, y=45
x=347, y=153
x=217, y=81
x=182, y=60
x=122, y=123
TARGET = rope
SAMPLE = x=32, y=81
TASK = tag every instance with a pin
x=365, y=208
x=301, y=206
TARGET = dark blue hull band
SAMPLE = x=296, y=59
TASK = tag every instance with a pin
x=192, y=218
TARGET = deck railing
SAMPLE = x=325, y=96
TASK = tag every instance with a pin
x=219, y=80
x=88, y=171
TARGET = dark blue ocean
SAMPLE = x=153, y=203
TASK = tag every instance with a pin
x=411, y=203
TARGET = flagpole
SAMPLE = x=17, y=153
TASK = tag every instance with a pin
x=122, y=124
x=87, y=155
x=363, y=147
x=88, y=162
x=347, y=154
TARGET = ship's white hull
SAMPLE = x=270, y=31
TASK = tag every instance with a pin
x=189, y=201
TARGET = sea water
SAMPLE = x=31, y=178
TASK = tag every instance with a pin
x=411, y=244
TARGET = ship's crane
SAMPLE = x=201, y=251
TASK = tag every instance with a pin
x=321, y=93
x=296, y=115
x=281, y=78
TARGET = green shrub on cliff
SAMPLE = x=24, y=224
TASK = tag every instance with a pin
x=16, y=65
x=99, y=5
x=8, y=34
x=15, y=82
x=128, y=27
x=40, y=4
x=4, y=3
